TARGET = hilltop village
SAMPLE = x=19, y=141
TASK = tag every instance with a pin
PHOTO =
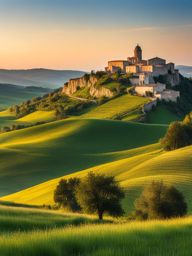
x=153, y=78
x=144, y=74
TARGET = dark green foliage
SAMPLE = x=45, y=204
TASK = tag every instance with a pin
x=185, y=101
x=178, y=135
x=99, y=194
x=159, y=201
x=64, y=194
x=14, y=127
x=62, y=104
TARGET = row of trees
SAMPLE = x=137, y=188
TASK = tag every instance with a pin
x=101, y=194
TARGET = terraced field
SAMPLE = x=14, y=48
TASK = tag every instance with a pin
x=117, y=107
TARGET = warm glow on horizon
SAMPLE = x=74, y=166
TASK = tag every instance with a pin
x=48, y=39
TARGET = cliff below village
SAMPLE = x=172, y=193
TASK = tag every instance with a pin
x=90, y=84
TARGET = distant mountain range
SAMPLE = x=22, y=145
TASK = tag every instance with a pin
x=185, y=70
x=14, y=94
x=38, y=77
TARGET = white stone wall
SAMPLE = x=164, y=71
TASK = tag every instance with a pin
x=142, y=90
x=153, y=88
x=168, y=95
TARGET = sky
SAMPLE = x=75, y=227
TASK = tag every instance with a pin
x=85, y=34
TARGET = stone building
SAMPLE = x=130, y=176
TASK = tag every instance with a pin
x=150, y=89
x=155, y=66
x=144, y=73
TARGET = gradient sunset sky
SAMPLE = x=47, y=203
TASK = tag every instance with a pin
x=85, y=34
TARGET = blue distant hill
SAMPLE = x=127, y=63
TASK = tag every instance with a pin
x=46, y=78
x=13, y=94
x=185, y=70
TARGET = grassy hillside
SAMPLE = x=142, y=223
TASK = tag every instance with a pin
x=14, y=94
x=38, y=116
x=133, y=172
x=162, y=115
x=14, y=219
x=52, y=150
x=171, y=237
x=118, y=107
x=38, y=77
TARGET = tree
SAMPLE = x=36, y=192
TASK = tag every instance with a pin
x=178, y=135
x=99, y=194
x=159, y=201
x=188, y=119
x=64, y=194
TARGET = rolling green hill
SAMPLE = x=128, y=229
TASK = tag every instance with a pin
x=38, y=116
x=136, y=169
x=52, y=150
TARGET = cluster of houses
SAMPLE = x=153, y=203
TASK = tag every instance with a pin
x=144, y=73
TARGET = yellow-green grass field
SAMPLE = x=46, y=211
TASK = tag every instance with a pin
x=162, y=115
x=37, y=154
x=38, y=116
x=7, y=118
x=133, y=173
x=21, y=218
x=116, y=107
x=30, y=237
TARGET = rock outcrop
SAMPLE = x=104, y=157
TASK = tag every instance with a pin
x=95, y=91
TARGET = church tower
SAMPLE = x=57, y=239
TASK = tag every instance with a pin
x=138, y=54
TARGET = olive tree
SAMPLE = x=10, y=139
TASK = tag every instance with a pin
x=100, y=194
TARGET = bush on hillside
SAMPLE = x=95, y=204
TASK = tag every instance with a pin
x=100, y=194
x=64, y=194
x=159, y=201
x=178, y=135
x=188, y=119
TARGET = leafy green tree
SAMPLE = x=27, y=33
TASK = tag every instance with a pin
x=64, y=194
x=100, y=194
x=178, y=135
x=159, y=201
x=188, y=119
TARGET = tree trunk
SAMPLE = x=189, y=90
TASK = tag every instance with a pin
x=100, y=214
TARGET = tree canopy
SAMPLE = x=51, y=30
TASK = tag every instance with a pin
x=100, y=194
x=64, y=194
x=158, y=201
x=179, y=134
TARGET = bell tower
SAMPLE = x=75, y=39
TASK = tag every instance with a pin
x=138, y=54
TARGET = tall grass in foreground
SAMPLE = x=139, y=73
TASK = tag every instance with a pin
x=13, y=219
x=155, y=238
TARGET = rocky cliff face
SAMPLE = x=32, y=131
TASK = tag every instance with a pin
x=75, y=84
